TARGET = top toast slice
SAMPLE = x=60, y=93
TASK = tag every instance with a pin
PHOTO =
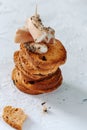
x=56, y=54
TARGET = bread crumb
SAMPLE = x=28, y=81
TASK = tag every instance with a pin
x=45, y=109
x=43, y=103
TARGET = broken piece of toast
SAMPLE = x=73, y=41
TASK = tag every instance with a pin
x=14, y=117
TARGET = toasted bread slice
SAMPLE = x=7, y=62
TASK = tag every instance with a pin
x=28, y=66
x=14, y=117
x=43, y=86
x=18, y=84
x=26, y=72
x=56, y=54
x=32, y=92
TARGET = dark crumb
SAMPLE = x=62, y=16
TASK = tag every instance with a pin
x=14, y=82
x=45, y=109
x=49, y=107
x=84, y=100
x=63, y=99
x=43, y=103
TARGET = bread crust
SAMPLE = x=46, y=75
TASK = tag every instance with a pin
x=28, y=66
x=14, y=117
x=25, y=72
x=56, y=55
x=43, y=86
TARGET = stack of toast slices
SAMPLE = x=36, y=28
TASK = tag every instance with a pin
x=36, y=73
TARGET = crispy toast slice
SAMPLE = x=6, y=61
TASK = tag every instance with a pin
x=44, y=84
x=19, y=85
x=28, y=66
x=56, y=54
x=25, y=72
x=14, y=117
x=29, y=73
x=33, y=88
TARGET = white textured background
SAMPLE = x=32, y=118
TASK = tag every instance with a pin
x=68, y=103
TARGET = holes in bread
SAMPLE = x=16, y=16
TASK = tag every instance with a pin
x=24, y=80
x=16, y=109
x=16, y=80
x=43, y=58
x=18, y=73
x=31, y=82
x=6, y=117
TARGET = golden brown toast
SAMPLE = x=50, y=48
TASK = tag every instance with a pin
x=14, y=117
x=28, y=66
x=56, y=55
x=31, y=74
x=37, y=87
x=44, y=84
x=18, y=84
x=26, y=73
